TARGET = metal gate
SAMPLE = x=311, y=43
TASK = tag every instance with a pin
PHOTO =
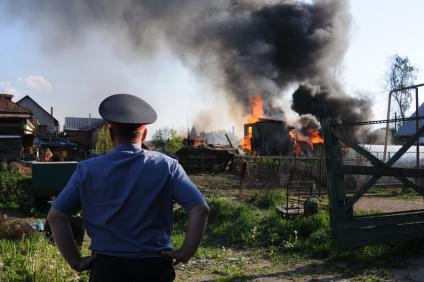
x=375, y=196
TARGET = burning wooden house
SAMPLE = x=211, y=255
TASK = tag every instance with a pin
x=270, y=137
x=267, y=137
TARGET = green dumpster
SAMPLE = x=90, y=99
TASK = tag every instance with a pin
x=49, y=178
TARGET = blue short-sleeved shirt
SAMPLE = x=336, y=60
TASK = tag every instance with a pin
x=126, y=197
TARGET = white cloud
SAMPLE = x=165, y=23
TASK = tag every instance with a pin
x=7, y=88
x=39, y=83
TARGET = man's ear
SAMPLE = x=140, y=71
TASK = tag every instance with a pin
x=144, y=135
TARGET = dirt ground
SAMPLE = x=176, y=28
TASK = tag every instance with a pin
x=313, y=270
x=384, y=204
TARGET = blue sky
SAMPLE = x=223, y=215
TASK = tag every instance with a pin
x=75, y=81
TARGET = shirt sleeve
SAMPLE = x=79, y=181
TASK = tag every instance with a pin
x=184, y=191
x=69, y=201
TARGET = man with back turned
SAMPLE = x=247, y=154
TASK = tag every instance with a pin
x=126, y=197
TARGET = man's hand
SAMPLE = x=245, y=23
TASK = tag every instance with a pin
x=177, y=255
x=197, y=218
x=83, y=263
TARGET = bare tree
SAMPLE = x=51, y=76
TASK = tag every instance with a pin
x=401, y=73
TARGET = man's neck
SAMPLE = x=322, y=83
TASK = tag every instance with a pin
x=118, y=142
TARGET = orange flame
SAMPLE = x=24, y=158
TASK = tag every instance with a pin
x=197, y=142
x=257, y=109
x=297, y=138
x=246, y=143
x=313, y=137
x=257, y=112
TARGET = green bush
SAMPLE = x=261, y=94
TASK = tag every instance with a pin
x=318, y=244
x=268, y=199
x=299, y=233
x=240, y=224
x=15, y=191
x=3, y=166
x=231, y=223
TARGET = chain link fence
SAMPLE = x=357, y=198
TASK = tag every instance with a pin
x=383, y=140
x=298, y=178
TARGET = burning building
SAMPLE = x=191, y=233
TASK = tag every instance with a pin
x=264, y=136
x=269, y=137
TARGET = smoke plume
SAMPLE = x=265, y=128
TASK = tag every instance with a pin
x=320, y=102
x=244, y=47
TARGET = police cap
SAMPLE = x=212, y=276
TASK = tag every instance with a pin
x=127, y=109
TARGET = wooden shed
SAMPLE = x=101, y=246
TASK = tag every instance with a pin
x=17, y=127
x=83, y=130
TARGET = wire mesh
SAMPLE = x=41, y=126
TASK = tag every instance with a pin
x=298, y=178
x=388, y=194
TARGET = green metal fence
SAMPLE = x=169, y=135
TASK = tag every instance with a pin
x=375, y=194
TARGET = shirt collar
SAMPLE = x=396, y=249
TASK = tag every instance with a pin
x=128, y=148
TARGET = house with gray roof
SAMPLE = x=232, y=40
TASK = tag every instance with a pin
x=47, y=123
x=409, y=127
x=83, y=130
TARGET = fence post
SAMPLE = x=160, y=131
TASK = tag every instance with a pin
x=321, y=176
x=335, y=181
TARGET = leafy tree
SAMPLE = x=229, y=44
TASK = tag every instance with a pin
x=401, y=74
x=167, y=139
x=104, y=143
x=174, y=143
x=160, y=137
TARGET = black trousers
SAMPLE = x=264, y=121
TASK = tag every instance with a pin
x=107, y=268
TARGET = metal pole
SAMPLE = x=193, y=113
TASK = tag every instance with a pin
x=202, y=163
x=321, y=170
x=387, y=126
x=395, y=122
x=417, y=126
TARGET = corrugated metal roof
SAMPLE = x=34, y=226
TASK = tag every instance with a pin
x=409, y=127
x=83, y=124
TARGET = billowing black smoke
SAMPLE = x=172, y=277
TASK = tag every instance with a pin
x=262, y=51
x=319, y=102
x=245, y=47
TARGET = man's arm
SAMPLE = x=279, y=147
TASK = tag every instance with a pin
x=197, y=219
x=60, y=225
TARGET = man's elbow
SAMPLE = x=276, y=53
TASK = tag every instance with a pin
x=205, y=209
x=54, y=215
x=202, y=209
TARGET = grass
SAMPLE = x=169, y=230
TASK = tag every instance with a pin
x=242, y=241
x=245, y=239
x=268, y=199
x=34, y=259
